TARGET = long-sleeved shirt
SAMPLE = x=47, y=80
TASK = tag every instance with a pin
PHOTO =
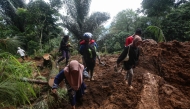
x=59, y=78
x=133, y=57
x=63, y=45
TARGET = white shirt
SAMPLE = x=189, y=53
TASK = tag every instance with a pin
x=21, y=52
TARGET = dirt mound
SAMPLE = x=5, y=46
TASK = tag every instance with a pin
x=151, y=41
x=171, y=62
x=161, y=80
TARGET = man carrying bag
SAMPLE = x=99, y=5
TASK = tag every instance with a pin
x=129, y=63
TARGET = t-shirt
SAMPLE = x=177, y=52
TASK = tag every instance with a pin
x=128, y=40
x=21, y=52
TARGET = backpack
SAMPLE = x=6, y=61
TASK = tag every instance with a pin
x=90, y=51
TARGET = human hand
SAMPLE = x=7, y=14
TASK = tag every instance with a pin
x=54, y=91
x=55, y=94
x=68, y=44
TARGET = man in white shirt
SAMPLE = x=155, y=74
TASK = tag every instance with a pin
x=21, y=52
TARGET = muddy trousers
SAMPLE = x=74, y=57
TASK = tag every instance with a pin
x=129, y=76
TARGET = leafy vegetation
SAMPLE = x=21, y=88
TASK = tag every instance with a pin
x=13, y=91
x=77, y=20
x=177, y=24
x=155, y=33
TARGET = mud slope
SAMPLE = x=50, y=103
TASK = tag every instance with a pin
x=161, y=80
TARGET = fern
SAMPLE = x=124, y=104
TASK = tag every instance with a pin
x=13, y=91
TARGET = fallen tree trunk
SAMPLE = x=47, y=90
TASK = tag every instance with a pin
x=34, y=81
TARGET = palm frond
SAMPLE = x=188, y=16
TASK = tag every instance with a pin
x=95, y=20
x=13, y=91
x=77, y=16
x=10, y=44
x=155, y=33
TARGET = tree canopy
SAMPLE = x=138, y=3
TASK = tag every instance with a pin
x=77, y=19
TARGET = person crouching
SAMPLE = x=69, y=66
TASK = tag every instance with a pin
x=73, y=76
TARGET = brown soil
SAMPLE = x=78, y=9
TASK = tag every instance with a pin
x=161, y=80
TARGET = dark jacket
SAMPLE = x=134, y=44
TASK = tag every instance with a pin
x=133, y=57
x=63, y=45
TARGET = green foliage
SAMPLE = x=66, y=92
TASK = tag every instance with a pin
x=21, y=11
x=32, y=46
x=9, y=12
x=77, y=20
x=176, y=26
x=109, y=41
x=62, y=97
x=117, y=46
x=10, y=45
x=56, y=4
x=155, y=33
x=157, y=8
x=123, y=25
x=52, y=44
x=99, y=33
x=124, y=22
x=13, y=91
x=32, y=24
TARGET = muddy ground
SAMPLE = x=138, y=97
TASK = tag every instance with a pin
x=161, y=80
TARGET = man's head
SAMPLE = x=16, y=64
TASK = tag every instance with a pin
x=87, y=36
x=18, y=48
x=138, y=32
x=137, y=41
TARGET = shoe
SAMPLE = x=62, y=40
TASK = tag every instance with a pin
x=92, y=79
x=131, y=87
x=86, y=91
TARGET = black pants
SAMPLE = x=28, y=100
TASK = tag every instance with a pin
x=90, y=64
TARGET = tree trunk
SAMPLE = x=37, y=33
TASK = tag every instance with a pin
x=34, y=81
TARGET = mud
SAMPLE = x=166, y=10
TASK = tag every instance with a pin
x=161, y=80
